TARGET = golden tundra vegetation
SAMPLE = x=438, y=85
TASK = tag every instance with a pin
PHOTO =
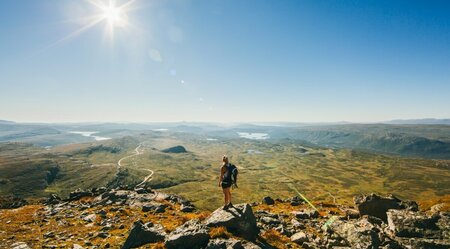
x=276, y=169
x=30, y=224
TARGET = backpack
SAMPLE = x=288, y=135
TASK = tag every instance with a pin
x=234, y=172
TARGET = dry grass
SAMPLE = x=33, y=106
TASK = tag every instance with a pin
x=428, y=203
x=159, y=245
x=277, y=239
x=219, y=232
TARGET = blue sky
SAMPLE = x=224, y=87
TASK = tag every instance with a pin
x=225, y=61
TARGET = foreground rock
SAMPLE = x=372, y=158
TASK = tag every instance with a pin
x=418, y=229
x=141, y=234
x=238, y=220
x=377, y=206
x=358, y=234
x=191, y=234
x=103, y=217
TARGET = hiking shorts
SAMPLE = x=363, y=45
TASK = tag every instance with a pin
x=226, y=184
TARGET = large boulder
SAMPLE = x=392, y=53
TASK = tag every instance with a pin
x=404, y=223
x=191, y=234
x=238, y=220
x=375, y=205
x=418, y=230
x=359, y=234
x=141, y=234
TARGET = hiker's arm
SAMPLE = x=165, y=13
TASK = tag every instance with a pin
x=222, y=172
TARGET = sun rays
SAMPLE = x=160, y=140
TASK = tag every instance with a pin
x=105, y=11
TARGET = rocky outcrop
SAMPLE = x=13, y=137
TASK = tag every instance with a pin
x=141, y=234
x=191, y=234
x=375, y=205
x=238, y=220
x=415, y=228
x=358, y=234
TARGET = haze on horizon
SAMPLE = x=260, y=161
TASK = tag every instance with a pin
x=224, y=61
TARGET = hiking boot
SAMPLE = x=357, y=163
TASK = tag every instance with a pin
x=225, y=207
x=230, y=205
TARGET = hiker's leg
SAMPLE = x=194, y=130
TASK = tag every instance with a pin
x=225, y=195
x=229, y=195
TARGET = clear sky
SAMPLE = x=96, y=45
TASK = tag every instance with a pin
x=230, y=61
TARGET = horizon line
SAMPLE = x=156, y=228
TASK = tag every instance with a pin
x=224, y=122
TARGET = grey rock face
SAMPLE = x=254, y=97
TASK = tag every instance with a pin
x=239, y=220
x=359, y=234
x=377, y=206
x=191, y=234
x=224, y=244
x=415, y=229
x=141, y=234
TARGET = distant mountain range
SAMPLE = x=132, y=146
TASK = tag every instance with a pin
x=432, y=121
x=428, y=138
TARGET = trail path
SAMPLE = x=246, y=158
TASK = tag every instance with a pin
x=137, y=152
x=147, y=178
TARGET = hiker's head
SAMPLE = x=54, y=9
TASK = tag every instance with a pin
x=225, y=159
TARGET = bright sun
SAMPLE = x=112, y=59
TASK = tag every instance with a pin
x=115, y=16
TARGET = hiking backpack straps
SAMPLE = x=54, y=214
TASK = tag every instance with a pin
x=233, y=172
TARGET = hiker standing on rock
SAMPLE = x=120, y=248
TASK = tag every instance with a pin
x=228, y=178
